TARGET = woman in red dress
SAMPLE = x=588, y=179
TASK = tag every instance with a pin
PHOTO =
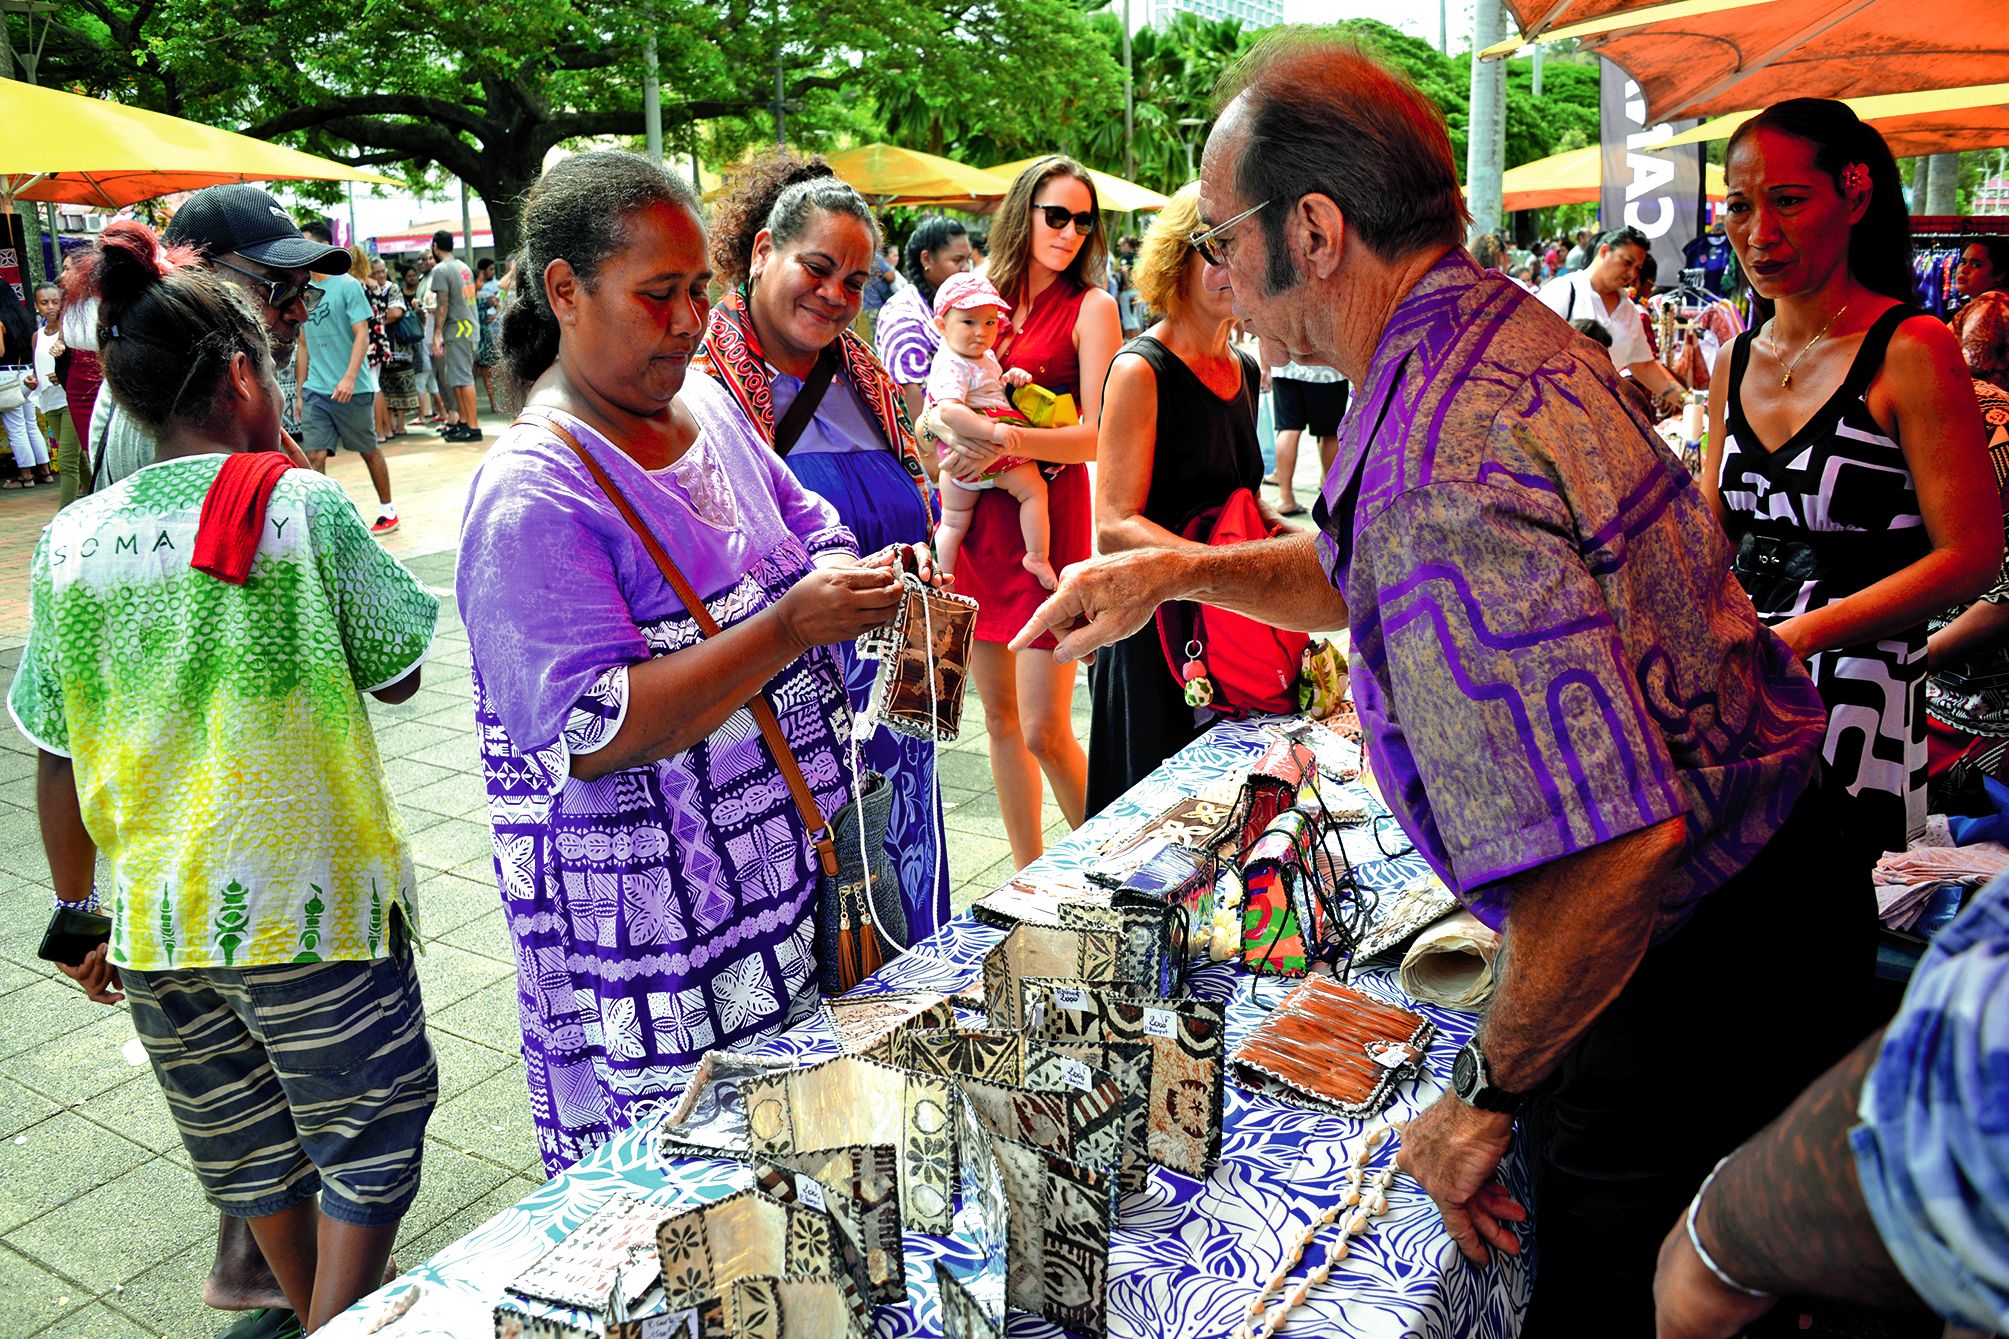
x=1047, y=258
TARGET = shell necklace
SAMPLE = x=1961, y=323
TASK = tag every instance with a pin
x=1773, y=340
x=1368, y=1200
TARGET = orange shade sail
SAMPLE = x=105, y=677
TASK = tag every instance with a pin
x=1707, y=58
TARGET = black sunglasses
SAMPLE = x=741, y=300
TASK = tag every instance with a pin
x=1057, y=217
x=279, y=293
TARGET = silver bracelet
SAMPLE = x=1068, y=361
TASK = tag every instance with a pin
x=1695, y=1239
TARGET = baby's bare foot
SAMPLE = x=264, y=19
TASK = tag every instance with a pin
x=1042, y=569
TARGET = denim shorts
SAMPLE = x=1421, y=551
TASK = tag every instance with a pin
x=288, y=1080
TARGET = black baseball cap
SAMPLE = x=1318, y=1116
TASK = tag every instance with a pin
x=220, y=219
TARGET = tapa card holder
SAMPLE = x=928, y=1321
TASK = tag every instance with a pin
x=747, y=1233
x=1059, y=1215
x=1197, y=822
x=781, y=1306
x=710, y=1120
x=857, y=1021
x=1045, y=950
x=1188, y=1040
x=1013, y=1058
x=924, y=662
x=852, y=1100
x=859, y=1188
x=1151, y=941
x=1333, y=1049
x=1169, y=875
x=602, y=1281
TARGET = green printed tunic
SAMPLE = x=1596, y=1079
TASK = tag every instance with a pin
x=223, y=755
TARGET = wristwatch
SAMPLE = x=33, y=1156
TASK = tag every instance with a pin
x=1473, y=1083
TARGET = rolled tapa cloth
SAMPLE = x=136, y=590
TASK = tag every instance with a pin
x=1451, y=963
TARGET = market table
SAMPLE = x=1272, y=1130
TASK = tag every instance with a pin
x=1186, y=1256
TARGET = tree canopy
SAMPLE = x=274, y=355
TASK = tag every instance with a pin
x=486, y=92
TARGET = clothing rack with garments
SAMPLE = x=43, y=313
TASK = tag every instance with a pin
x=1691, y=324
x=1936, y=243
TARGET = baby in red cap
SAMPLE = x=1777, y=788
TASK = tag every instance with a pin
x=967, y=385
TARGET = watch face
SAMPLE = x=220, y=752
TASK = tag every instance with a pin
x=1465, y=1073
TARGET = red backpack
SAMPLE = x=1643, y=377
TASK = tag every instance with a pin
x=1253, y=666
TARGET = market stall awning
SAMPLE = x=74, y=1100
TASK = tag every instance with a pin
x=1712, y=57
x=418, y=236
x=1110, y=192
x=888, y=173
x=1569, y=178
x=1944, y=120
x=75, y=150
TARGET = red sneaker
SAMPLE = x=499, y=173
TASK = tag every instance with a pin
x=384, y=525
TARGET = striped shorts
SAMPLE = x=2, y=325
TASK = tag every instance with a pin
x=289, y=1080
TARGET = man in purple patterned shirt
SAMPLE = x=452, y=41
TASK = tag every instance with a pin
x=1566, y=698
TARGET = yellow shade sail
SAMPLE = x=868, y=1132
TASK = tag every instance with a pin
x=1110, y=192
x=1941, y=120
x=1573, y=177
x=75, y=150
x=887, y=173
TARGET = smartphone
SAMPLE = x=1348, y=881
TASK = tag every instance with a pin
x=72, y=934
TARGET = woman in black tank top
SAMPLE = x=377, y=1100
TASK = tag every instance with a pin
x=1846, y=459
x=1178, y=435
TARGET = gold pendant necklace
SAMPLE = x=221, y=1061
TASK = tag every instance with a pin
x=1787, y=379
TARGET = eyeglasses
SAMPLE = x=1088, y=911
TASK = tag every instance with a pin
x=279, y=293
x=1057, y=217
x=1203, y=241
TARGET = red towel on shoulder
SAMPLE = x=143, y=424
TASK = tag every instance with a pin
x=233, y=514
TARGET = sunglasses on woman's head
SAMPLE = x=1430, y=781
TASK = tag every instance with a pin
x=1057, y=217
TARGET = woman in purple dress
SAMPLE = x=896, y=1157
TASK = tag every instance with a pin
x=657, y=876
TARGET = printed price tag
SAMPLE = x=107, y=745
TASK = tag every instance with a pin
x=810, y=1191
x=1076, y=1073
x=1071, y=997
x=1161, y=1023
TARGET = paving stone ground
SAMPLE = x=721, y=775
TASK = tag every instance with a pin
x=102, y=1230
x=103, y=1234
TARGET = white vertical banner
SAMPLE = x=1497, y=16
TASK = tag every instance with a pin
x=1653, y=189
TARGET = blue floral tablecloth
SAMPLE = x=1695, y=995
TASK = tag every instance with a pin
x=1187, y=1255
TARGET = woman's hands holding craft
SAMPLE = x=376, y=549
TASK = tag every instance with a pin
x=836, y=604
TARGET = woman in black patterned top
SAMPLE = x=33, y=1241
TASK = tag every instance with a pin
x=1846, y=458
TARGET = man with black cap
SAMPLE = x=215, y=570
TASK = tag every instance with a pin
x=245, y=236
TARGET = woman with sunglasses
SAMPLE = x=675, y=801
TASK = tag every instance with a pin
x=1047, y=257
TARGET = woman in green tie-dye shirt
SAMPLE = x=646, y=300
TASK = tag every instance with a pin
x=210, y=738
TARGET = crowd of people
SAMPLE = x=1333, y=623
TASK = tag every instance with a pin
x=1652, y=727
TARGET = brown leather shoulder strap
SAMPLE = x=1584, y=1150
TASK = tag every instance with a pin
x=763, y=713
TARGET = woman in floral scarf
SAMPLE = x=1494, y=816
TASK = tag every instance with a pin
x=794, y=246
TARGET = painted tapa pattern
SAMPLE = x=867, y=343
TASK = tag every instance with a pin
x=1184, y=1251
x=861, y=1192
